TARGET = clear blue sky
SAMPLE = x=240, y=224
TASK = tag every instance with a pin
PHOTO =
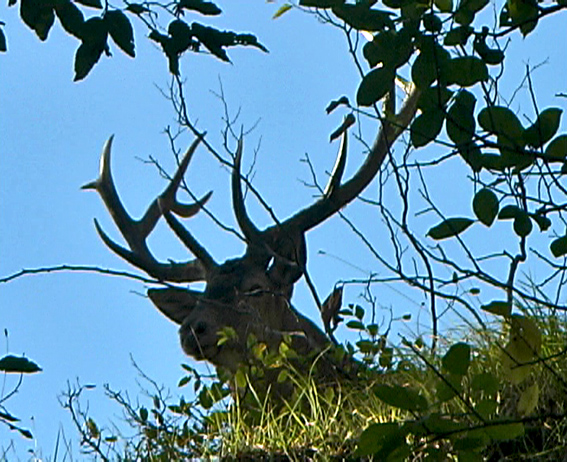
x=87, y=326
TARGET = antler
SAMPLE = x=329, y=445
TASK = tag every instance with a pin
x=336, y=195
x=135, y=232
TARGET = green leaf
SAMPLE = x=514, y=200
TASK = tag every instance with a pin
x=485, y=382
x=92, y=3
x=374, y=86
x=445, y=6
x=283, y=376
x=18, y=365
x=457, y=360
x=505, y=431
x=431, y=22
x=377, y=436
x=559, y=247
x=362, y=17
x=449, y=228
x=524, y=13
x=485, y=206
x=499, y=308
x=200, y=6
x=357, y=325
x=282, y=10
x=38, y=16
x=3, y=45
x=528, y=400
x=467, y=70
x=401, y=397
x=501, y=120
x=557, y=149
x=426, y=127
x=458, y=36
x=390, y=47
x=544, y=128
x=461, y=124
x=70, y=17
x=429, y=65
x=121, y=31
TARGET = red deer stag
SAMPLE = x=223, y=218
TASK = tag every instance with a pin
x=251, y=294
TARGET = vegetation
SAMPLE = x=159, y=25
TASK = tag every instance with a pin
x=489, y=391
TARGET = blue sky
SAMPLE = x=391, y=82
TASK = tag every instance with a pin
x=88, y=326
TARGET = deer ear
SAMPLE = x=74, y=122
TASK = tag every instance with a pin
x=175, y=303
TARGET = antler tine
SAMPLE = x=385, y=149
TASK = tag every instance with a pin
x=135, y=232
x=340, y=195
x=251, y=232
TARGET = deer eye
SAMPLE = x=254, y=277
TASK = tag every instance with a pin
x=200, y=328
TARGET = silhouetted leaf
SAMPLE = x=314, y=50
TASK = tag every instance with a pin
x=435, y=97
x=500, y=120
x=342, y=101
x=457, y=359
x=121, y=31
x=523, y=224
x=467, y=70
x=38, y=16
x=91, y=3
x=557, y=149
x=362, y=17
x=18, y=364
x=509, y=212
x=460, y=124
x=85, y=58
x=321, y=3
x=485, y=206
x=426, y=127
x=201, y=6
x=458, y=36
x=390, y=47
x=430, y=65
x=559, y=247
x=542, y=221
x=544, y=128
x=71, y=17
x=499, y=308
x=449, y=228
x=374, y=86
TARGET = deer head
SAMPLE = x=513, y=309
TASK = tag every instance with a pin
x=250, y=294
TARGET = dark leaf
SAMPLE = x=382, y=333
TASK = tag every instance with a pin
x=461, y=124
x=467, y=70
x=374, y=86
x=342, y=101
x=430, y=65
x=445, y=6
x=458, y=36
x=85, y=58
x=92, y=3
x=544, y=128
x=321, y=3
x=330, y=309
x=380, y=440
x=523, y=224
x=431, y=22
x=498, y=307
x=362, y=17
x=509, y=212
x=137, y=8
x=435, y=97
x=449, y=228
x=557, y=149
x=401, y=397
x=500, y=120
x=121, y=31
x=426, y=127
x=18, y=364
x=348, y=121
x=70, y=17
x=389, y=47
x=457, y=360
x=542, y=221
x=38, y=16
x=559, y=247
x=485, y=206
x=503, y=432
x=201, y=6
